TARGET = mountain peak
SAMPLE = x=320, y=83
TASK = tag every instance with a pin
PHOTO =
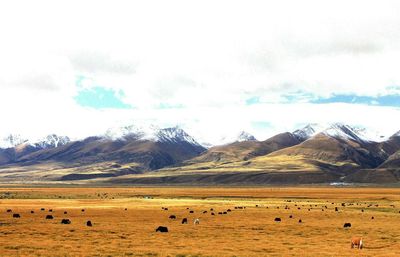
x=175, y=135
x=397, y=134
x=340, y=130
x=12, y=140
x=244, y=136
x=151, y=133
x=123, y=132
x=52, y=140
x=308, y=131
x=355, y=133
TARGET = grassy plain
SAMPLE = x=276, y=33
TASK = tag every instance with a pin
x=242, y=232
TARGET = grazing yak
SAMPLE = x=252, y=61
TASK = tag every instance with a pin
x=172, y=217
x=191, y=211
x=32, y=212
x=184, y=221
x=347, y=225
x=162, y=229
x=277, y=219
x=89, y=223
x=16, y=215
x=9, y=210
x=65, y=221
x=196, y=221
x=357, y=242
x=49, y=217
x=65, y=212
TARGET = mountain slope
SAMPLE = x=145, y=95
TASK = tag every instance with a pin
x=337, y=150
x=313, y=154
x=244, y=136
x=338, y=143
x=393, y=162
x=391, y=148
x=245, y=150
x=169, y=146
x=19, y=147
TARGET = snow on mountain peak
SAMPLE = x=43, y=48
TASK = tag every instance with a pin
x=123, y=132
x=340, y=130
x=244, y=136
x=151, y=133
x=397, y=134
x=308, y=131
x=175, y=135
x=369, y=134
x=12, y=140
x=52, y=140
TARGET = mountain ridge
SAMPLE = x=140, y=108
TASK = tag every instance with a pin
x=316, y=152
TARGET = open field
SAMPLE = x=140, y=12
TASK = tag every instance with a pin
x=242, y=232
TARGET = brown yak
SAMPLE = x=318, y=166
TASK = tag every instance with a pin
x=357, y=242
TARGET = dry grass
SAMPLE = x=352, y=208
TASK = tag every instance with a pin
x=248, y=232
x=50, y=172
x=285, y=163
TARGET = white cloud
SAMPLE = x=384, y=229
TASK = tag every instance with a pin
x=208, y=57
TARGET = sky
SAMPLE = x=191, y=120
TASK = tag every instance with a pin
x=214, y=68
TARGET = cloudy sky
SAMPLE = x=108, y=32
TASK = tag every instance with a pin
x=212, y=67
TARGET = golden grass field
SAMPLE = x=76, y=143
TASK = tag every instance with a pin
x=242, y=232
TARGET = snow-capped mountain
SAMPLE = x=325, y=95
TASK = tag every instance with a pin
x=356, y=133
x=244, y=136
x=174, y=135
x=340, y=130
x=51, y=141
x=11, y=141
x=397, y=134
x=123, y=132
x=369, y=134
x=151, y=133
x=308, y=131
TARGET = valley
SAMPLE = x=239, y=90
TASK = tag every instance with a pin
x=124, y=220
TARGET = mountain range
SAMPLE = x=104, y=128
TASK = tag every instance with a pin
x=151, y=155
